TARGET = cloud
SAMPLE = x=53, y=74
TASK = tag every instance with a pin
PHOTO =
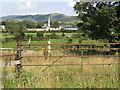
x=75, y=15
x=26, y=5
x=71, y=3
x=59, y=11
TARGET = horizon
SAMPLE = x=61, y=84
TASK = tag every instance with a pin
x=31, y=7
x=34, y=7
x=37, y=14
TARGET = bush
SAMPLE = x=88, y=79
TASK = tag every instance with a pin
x=8, y=39
x=54, y=36
x=63, y=34
x=40, y=35
x=70, y=40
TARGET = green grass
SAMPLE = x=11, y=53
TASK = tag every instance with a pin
x=33, y=77
x=50, y=34
x=8, y=35
x=12, y=44
x=5, y=35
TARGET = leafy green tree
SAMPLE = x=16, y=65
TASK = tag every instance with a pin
x=39, y=25
x=99, y=22
x=15, y=29
x=40, y=35
x=54, y=36
x=55, y=24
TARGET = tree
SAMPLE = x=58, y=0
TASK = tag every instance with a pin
x=15, y=28
x=99, y=22
x=39, y=25
x=55, y=24
x=40, y=35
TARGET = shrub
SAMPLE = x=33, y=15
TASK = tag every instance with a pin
x=63, y=34
x=40, y=35
x=54, y=36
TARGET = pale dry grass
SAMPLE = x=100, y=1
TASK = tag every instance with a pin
x=50, y=77
x=68, y=60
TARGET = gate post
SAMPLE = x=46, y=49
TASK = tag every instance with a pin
x=18, y=57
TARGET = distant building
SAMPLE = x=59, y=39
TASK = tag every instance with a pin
x=47, y=27
x=70, y=27
x=2, y=27
x=36, y=29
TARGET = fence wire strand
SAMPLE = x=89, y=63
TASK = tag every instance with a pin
x=8, y=55
x=78, y=56
x=80, y=74
x=74, y=64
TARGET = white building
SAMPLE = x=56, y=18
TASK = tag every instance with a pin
x=70, y=27
x=2, y=27
x=47, y=27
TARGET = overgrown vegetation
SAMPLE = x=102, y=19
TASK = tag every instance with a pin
x=95, y=76
x=98, y=24
x=101, y=21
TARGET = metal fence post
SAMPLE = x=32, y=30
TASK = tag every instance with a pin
x=18, y=57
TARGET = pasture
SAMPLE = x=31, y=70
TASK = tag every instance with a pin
x=68, y=76
x=62, y=72
x=59, y=34
x=8, y=35
x=12, y=44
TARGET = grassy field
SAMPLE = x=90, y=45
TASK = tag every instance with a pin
x=5, y=35
x=86, y=76
x=12, y=44
x=60, y=76
x=50, y=34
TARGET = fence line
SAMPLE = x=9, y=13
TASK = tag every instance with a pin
x=74, y=64
x=76, y=74
x=75, y=44
x=76, y=49
x=77, y=56
x=8, y=55
x=19, y=56
x=81, y=74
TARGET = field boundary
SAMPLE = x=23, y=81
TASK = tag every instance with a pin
x=18, y=55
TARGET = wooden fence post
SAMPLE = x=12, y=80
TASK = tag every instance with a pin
x=18, y=57
x=49, y=47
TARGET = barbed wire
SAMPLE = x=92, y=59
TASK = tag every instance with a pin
x=8, y=55
x=77, y=56
x=76, y=49
x=74, y=64
x=75, y=44
x=79, y=74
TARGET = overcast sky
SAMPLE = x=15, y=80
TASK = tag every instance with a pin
x=25, y=7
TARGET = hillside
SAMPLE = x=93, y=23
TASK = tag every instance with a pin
x=41, y=17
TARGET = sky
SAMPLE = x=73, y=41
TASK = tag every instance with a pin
x=33, y=7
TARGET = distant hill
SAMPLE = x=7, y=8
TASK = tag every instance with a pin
x=40, y=17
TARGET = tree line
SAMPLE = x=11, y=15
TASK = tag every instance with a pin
x=100, y=20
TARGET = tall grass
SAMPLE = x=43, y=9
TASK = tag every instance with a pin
x=60, y=76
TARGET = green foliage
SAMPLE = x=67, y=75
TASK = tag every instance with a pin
x=40, y=35
x=63, y=34
x=55, y=24
x=70, y=40
x=54, y=36
x=24, y=80
x=39, y=25
x=100, y=22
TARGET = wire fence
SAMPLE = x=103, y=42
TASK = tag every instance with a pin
x=8, y=55
x=74, y=64
x=80, y=48
x=88, y=75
